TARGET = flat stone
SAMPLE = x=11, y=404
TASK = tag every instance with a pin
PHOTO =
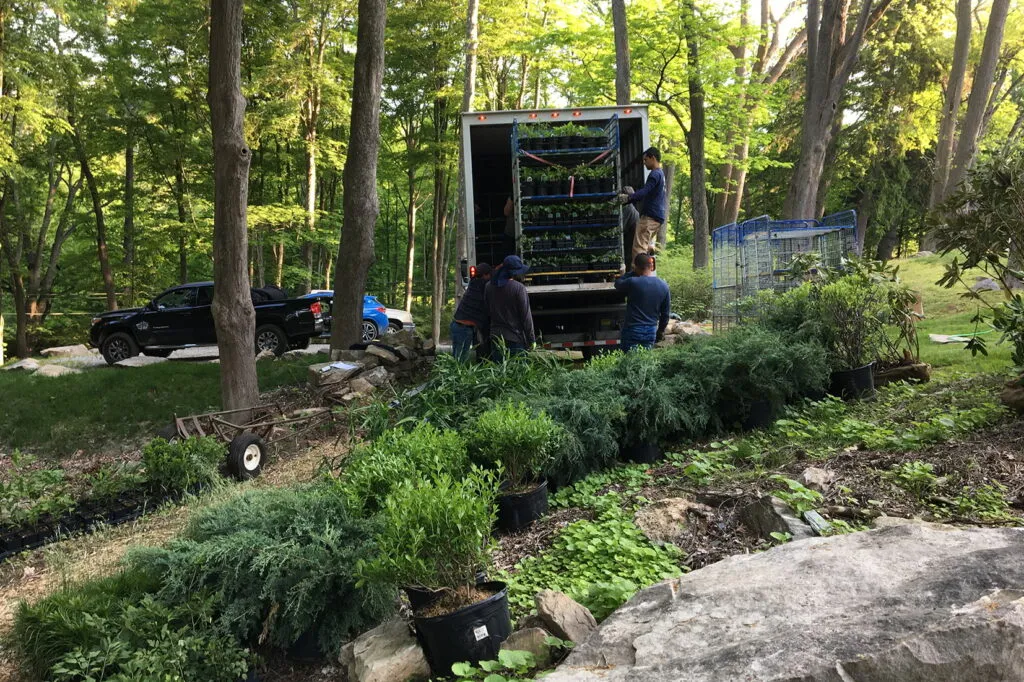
x=405, y=352
x=985, y=284
x=385, y=356
x=532, y=640
x=914, y=603
x=325, y=374
x=388, y=653
x=662, y=521
x=26, y=365
x=139, y=361
x=769, y=515
x=265, y=355
x=922, y=254
x=689, y=328
x=361, y=386
x=351, y=355
x=564, y=617
x=817, y=479
x=64, y=351
x=55, y=371
x=377, y=376
x=405, y=338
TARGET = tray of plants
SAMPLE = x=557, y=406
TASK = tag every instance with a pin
x=248, y=432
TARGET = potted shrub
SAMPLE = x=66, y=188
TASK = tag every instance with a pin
x=435, y=535
x=852, y=315
x=511, y=437
x=651, y=408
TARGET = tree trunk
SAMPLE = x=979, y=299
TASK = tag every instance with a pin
x=410, y=249
x=233, y=314
x=831, y=55
x=468, y=90
x=622, y=62
x=977, y=103
x=307, y=246
x=179, y=197
x=355, y=252
x=887, y=244
x=128, y=238
x=695, y=145
x=101, y=225
x=670, y=177
x=441, y=189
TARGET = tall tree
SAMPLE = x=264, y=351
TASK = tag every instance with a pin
x=355, y=253
x=951, y=105
x=622, y=66
x=233, y=313
x=695, y=142
x=468, y=91
x=832, y=46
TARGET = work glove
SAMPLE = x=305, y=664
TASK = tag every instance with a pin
x=622, y=198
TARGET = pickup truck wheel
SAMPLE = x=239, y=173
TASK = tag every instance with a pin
x=271, y=337
x=157, y=352
x=370, y=331
x=117, y=347
x=300, y=345
x=246, y=454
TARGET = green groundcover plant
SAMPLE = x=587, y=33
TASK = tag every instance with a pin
x=512, y=437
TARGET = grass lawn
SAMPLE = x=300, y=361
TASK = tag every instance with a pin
x=947, y=312
x=56, y=417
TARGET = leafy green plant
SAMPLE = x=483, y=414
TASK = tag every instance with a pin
x=29, y=492
x=986, y=501
x=512, y=436
x=852, y=314
x=652, y=407
x=111, y=480
x=511, y=666
x=435, y=534
x=604, y=598
x=799, y=497
x=177, y=466
x=915, y=477
x=424, y=452
x=607, y=550
x=627, y=479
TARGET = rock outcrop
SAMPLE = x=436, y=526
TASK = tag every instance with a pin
x=914, y=602
x=563, y=617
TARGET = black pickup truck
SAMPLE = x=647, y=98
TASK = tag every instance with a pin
x=182, y=317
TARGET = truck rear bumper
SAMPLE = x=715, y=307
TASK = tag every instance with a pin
x=600, y=343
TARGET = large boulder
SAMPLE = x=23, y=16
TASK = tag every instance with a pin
x=55, y=371
x=912, y=602
x=563, y=617
x=26, y=365
x=387, y=653
x=64, y=351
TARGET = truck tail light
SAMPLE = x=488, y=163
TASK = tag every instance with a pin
x=315, y=308
x=472, y=271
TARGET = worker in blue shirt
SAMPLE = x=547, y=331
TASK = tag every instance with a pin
x=647, y=304
x=653, y=211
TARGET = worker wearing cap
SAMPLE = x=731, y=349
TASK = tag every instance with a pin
x=470, y=326
x=655, y=204
x=509, y=307
x=647, y=304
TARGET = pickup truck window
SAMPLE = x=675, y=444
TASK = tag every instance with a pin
x=204, y=296
x=179, y=298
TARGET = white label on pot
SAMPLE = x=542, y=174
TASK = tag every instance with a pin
x=480, y=632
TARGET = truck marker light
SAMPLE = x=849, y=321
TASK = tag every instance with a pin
x=627, y=111
x=472, y=271
x=555, y=114
x=481, y=118
x=577, y=113
x=533, y=115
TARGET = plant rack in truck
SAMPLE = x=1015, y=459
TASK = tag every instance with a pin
x=541, y=184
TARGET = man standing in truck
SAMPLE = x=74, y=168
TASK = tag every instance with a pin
x=647, y=304
x=653, y=211
x=509, y=306
x=469, y=328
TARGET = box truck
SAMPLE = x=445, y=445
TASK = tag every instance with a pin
x=541, y=184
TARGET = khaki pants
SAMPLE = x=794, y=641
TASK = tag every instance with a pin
x=643, y=240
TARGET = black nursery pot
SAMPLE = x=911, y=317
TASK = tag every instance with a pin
x=853, y=384
x=761, y=415
x=519, y=510
x=641, y=453
x=473, y=633
x=526, y=188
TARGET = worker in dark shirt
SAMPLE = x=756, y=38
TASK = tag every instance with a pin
x=655, y=204
x=509, y=307
x=630, y=217
x=647, y=304
x=470, y=326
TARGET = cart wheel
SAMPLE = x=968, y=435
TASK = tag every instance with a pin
x=246, y=454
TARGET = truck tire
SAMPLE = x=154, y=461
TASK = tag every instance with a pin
x=301, y=344
x=246, y=454
x=117, y=347
x=271, y=337
x=157, y=352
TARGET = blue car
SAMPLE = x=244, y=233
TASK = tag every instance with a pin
x=375, y=319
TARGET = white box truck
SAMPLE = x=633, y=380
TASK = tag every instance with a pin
x=541, y=184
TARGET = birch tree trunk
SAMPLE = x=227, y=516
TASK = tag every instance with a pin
x=233, y=314
x=359, y=188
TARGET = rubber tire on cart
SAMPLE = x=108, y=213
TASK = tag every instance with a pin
x=118, y=346
x=264, y=341
x=168, y=433
x=246, y=454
